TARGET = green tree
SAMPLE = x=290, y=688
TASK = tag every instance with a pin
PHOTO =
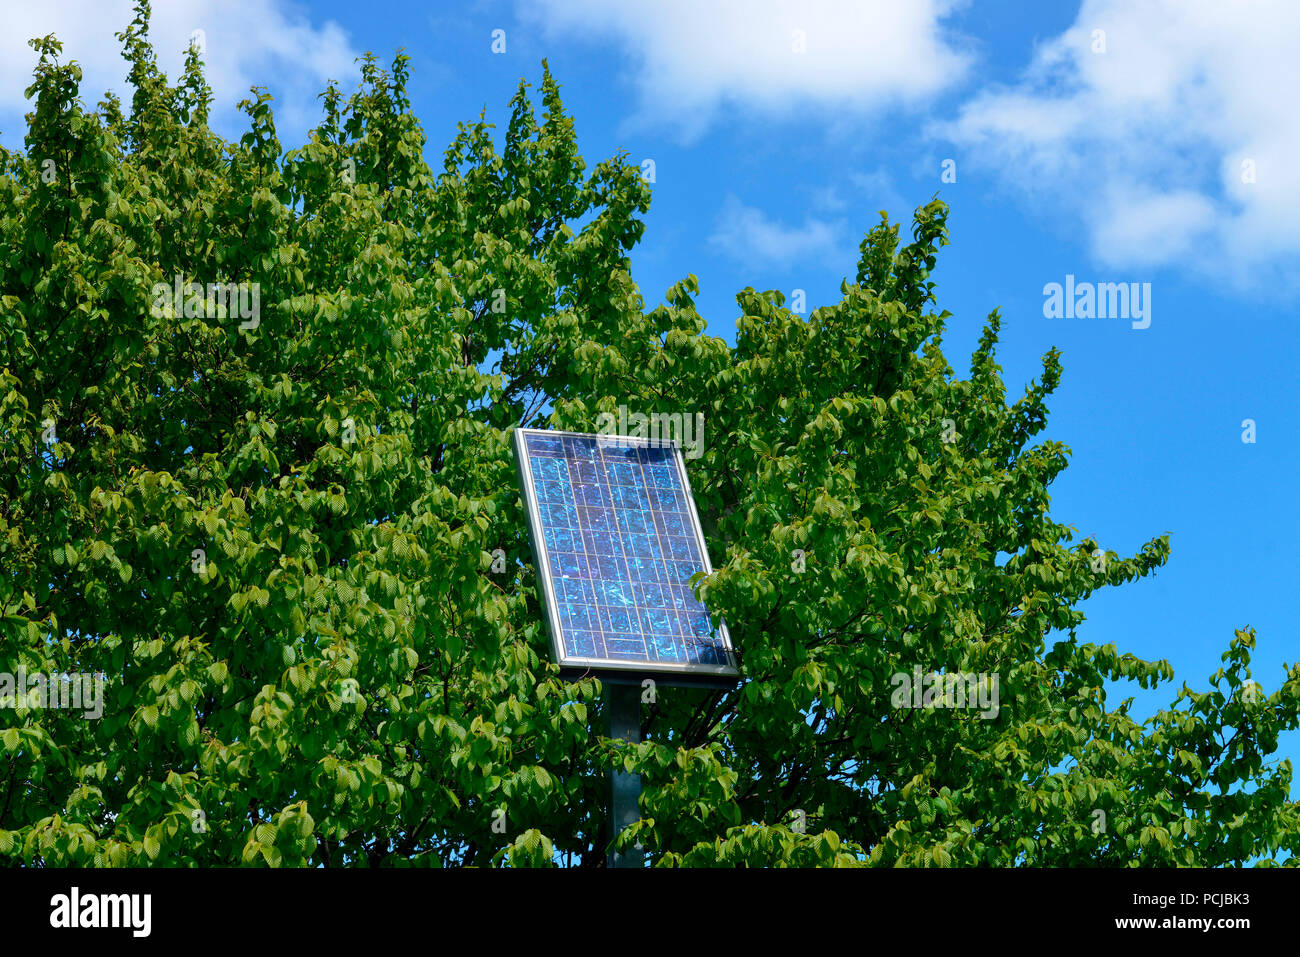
x=269, y=522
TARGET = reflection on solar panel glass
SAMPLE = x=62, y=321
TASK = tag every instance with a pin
x=621, y=543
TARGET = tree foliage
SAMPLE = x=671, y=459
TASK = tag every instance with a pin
x=273, y=535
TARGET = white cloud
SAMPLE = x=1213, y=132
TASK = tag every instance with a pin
x=263, y=42
x=749, y=236
x=694, y=58
x=1144, y=143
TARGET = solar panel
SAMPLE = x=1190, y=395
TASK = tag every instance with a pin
x=617, y=539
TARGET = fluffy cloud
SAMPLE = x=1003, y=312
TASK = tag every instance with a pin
x=1171, y=135
x=248, y=42
x=693, y=58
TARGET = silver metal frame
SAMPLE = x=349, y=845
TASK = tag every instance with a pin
x=529, y=494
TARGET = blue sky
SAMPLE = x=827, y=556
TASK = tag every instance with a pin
x=1114, y=142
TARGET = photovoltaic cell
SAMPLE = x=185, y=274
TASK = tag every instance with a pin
x=618, y=541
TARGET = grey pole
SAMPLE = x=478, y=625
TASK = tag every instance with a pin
x=624, y=788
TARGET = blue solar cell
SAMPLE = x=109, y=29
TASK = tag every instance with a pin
x=619, y=543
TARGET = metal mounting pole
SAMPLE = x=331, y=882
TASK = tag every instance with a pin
x=624, y=789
